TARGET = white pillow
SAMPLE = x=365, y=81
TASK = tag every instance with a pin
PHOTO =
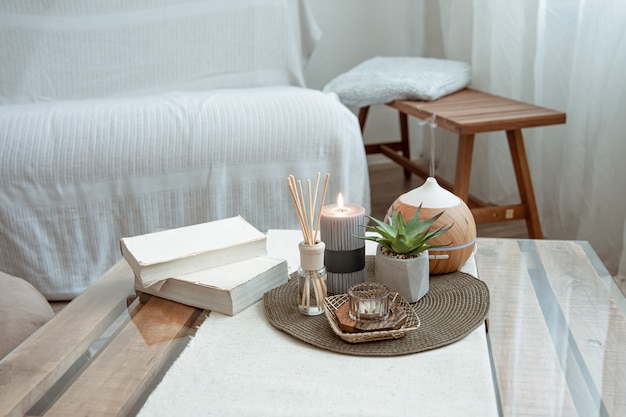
x=381, y=80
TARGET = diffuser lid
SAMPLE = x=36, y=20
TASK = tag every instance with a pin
x=430, y=195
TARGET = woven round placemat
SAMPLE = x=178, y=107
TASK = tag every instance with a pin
x=455, y=305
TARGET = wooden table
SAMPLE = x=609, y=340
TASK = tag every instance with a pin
x=556, y=340
x=467, y=113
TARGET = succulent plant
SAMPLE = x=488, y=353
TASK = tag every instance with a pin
x=402, y=238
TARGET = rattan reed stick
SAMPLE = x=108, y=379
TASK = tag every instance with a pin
x=319, y=215
x=296, y=201
x=305, y=208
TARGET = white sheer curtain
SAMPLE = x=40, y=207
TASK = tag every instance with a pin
x=565, y=54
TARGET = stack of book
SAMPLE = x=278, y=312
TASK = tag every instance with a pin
x=220, y=266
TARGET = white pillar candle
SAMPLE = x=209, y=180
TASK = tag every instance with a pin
x=344, y=257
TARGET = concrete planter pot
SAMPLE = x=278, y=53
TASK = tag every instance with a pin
x=408, y=277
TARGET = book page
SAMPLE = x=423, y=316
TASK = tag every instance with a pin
x=229, y=276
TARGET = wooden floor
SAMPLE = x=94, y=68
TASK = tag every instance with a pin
x=387, y=182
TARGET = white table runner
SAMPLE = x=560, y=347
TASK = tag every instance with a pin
x=242, y=366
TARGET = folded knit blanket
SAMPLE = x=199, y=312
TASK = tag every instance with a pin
x=381, y=80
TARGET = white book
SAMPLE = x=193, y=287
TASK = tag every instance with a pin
x=226, y=289
x=161, y=255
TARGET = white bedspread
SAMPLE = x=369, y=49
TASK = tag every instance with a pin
x=76, y=49
x=78, y=175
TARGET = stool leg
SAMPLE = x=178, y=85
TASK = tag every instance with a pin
x=464, y=154
x=524, y=182
x=404, y=135
x=363, y=111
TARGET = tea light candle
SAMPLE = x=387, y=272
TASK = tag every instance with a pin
x=368, y=301
x=344, y=256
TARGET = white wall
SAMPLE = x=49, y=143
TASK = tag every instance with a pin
x=355, y=30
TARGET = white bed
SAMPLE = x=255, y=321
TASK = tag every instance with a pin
x=87, y=159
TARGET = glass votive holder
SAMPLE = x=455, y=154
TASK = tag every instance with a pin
x=369, y=301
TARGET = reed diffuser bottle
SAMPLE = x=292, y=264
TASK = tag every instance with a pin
x=312, y=272
x=311, y=279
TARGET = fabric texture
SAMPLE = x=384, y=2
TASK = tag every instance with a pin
x=242, y=366
x=22, y=311
x=380, y=80
x=75, y=49
x=79, y=175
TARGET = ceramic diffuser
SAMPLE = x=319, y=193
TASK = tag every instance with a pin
x=462, y=236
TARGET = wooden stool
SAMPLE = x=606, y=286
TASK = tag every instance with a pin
x=466, y=113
